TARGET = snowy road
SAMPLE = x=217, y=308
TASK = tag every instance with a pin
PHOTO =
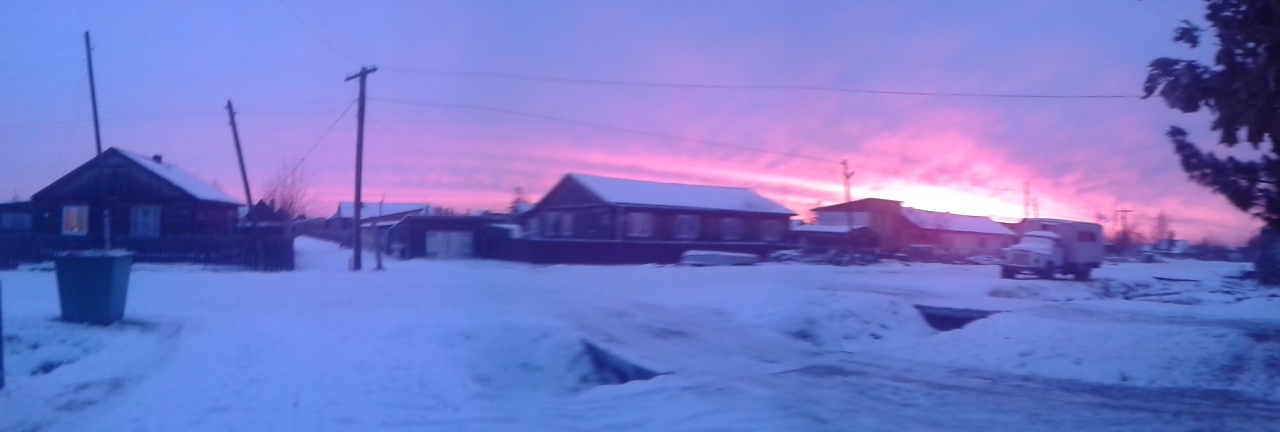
x=498, y=346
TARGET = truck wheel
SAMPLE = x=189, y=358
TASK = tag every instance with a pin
x=1047, y=272
x=1006, y=272
x=1082, y=274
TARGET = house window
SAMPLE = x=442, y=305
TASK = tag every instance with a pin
x=75, y=220
x=639, y=224
x=566, y=224
x=532, y=226
x=1087, y=236
x=687, y=226
x=731, y=228
x=144, y=221
x=549, y=222
x=772, y=231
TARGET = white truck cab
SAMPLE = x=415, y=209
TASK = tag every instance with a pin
x=1055, y=247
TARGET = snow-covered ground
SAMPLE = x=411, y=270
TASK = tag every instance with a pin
x=482, y=345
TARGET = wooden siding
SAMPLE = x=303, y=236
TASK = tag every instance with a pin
x=601, y=223
x=114, y=182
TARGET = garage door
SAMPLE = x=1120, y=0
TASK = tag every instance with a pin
x=449, y=244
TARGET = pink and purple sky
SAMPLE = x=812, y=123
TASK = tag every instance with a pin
x=165, y=70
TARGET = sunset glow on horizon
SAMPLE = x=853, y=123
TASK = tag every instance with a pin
x=467, y=141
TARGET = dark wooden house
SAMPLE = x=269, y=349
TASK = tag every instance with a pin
x=593, y=219
x=144, y=198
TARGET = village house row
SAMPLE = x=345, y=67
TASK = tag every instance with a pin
x=164, y=214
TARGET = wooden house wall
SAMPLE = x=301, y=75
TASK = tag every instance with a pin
x=115, y=183
x=609, y=222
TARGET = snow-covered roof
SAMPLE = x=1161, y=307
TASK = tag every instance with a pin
x=837, y=229
x=1045, y=234
x=522, y=207
x=346, y=209
x=954, y=222
x=181, y=179
x=626, y=191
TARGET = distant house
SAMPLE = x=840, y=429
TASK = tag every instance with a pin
x=594, y=219
x=904, y=228
x=834, y=237
x=144, y=197
x=342, y=219
x=440, y=237
x=15, y=216
x=957, y=235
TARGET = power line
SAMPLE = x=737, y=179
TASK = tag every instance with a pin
x=315, y=32
x=317, y=143
x=657, y=135
x=598, y=126
x=704, y=86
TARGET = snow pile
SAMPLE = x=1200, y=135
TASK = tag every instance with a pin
x=843, y=322
x=1179, y=282
x=1141, y=350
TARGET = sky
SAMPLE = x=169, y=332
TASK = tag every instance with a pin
x=454, y=116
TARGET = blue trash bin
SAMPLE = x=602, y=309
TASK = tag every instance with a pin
x=93, y=285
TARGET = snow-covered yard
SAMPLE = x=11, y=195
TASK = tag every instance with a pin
x=479, y=345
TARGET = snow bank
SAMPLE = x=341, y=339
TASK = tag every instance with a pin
x=1141, y=350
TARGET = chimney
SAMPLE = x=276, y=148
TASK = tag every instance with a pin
x=157, y=158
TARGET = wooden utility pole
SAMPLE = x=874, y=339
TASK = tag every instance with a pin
x=1026, y=199
x=848, y=197
x=235, y=135
x=93, y=94
x=377, y=235
x=356, y=246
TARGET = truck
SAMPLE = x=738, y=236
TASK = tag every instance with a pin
x=1049, y=247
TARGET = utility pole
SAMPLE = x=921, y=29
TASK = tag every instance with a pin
x=844, y=164
x=1035, y=208
x=1027, y=200
x=377, y=235
x=93, y=94
x=848, y=197
x=1124, y=219
x=355, y=235
x=235, y=134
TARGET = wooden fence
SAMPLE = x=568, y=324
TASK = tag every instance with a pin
x=268, y=253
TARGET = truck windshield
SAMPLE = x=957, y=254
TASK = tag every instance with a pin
x=1038, y=241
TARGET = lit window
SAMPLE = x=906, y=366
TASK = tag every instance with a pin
x=75, y=220
x=144, y=221
x=731, y=228
x=687, y=226
x=772, y=231
x=639, y=224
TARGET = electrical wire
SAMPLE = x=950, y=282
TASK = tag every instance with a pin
x=304, y=157
x=315, y=32
x=659, y=135
x=703, y=86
